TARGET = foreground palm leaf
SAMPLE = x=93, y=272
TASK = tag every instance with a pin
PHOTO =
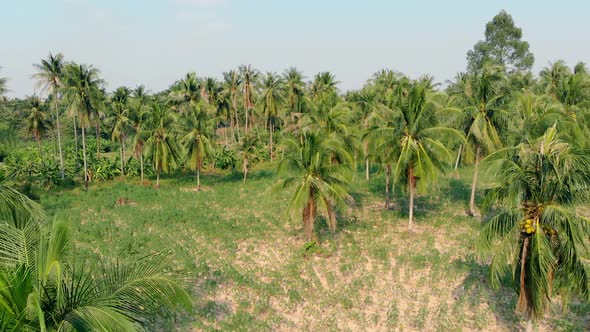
x=39, y=290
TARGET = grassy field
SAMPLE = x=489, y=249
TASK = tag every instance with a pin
x=250, y=268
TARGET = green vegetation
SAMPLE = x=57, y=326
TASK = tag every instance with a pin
x=233, y=245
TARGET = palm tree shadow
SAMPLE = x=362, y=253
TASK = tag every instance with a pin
x=476, y=288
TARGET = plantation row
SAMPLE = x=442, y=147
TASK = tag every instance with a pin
x=529, y=131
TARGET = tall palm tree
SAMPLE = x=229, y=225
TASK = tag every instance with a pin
x=3, y=88
x=250, y=78
x=186, y=93
x=196, y=141
x=38, y=123
x=551, y=76
x=160, y=145
x=82, y=91
x=270, y=102
x=411, y=124
x=295, y=87
x=49, y=75
x=535, y=232
x=482, y=118
x=119, y=120
x=324, y=84
x=320, y=171
x=138, y=116
x=365, y=102
x=231, y=84
x=249, y=153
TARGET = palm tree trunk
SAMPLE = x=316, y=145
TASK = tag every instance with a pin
x=237, y=125
x=61, y=157
x=367, y=165
x=246, y=127
x=309, y=216
x=84, y=158
x=387, y=180
x=458, y=156
x=198, y=179
x=97, y=128
x=38, y=138
x=141, y=166
x=523, y=298
x=471, y=211
x=412, y=186
x=271, y=133
x=124, y=152
x=157, y=179
x=245, y=168
x=76, y=143
x=231, y=127
x=225, y=135
x=121, y=155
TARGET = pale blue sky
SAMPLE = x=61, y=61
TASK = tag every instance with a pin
x=155, y=42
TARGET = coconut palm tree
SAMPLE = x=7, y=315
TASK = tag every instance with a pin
x=319, y=169
x=49, y=75
x=533, y=227
x=3, y=88
x=231, y=84
x=82, y=92
x=250, y=77
x=411, y=125
x=119, y=120
x=483, y=118
x=160, y=145
x=270, y=102
x=186, y=92
x=295, y=87
x=196, y=142
x=551, y=76
x=38, y=123
x=248, y=150
x=137, y=116
x=324, y=84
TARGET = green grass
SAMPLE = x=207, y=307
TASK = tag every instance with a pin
x=249, y=268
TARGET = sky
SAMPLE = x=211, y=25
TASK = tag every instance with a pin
x=155, y=42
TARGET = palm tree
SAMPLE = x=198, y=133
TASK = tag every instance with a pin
x=160, y=145
x=40, y=291
x=138, y=116
x=186, y=93
x=270, y=102
x=482, y=117
x=231, y=84
x=535, y=232
x=324, y=84
x=38, y=123
x=411, y=125
x=550, y=77
x=248, y=149
x=295, y=87
x=249, y=80
x=49, y=75
x=119, y=120
x=320, y=171
x=3, y=88
x=196, y=142
x=82, y=91
x=365, y=103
